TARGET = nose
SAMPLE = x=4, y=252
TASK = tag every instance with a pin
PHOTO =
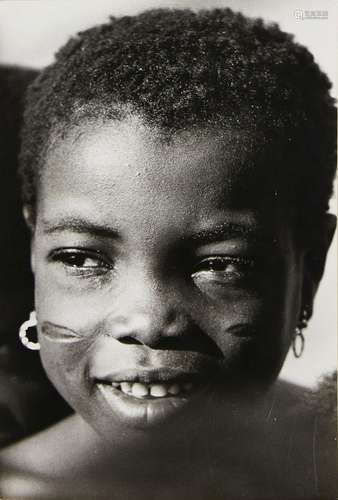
x=143, y=329
x=149, y=313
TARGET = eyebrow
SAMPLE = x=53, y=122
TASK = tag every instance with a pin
x=225, y=230
x=80, y=225
x=83, y=226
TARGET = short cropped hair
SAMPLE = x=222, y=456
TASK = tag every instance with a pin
x=182, y=70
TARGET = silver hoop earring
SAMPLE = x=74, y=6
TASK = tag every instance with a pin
x=30, y=323
x=298, y=341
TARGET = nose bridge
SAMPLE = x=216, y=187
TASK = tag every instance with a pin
x=150, y=299
x=148, y=309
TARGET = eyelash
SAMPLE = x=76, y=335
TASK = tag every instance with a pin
x=73, y=257
x=215, y=268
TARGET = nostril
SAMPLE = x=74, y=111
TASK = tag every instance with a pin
x=129, y=340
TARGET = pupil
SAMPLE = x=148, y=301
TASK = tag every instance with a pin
x=218, y=265
x=76, y=260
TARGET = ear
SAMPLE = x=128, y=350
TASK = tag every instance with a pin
x=315, y=258
x=29, y=219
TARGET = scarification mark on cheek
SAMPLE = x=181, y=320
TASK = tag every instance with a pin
x=243, y=330
x=59, y=333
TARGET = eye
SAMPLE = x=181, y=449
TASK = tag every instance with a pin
x=81, y=260
x=223, y=269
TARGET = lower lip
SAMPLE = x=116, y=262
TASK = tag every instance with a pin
x=145, y=413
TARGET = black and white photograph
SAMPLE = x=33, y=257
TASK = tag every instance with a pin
x=168, y=270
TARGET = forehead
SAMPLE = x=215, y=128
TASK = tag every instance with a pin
x=117, y=168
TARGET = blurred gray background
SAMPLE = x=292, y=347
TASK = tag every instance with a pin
x=32, y=30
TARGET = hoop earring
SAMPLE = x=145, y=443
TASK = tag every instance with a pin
x=298, y=341
x=30, y=323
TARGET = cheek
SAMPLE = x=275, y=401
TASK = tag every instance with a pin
x=253, y=329
x=70, y=303
x=236, y=326
x=66, y=366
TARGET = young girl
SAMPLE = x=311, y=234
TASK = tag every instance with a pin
x=177, y=168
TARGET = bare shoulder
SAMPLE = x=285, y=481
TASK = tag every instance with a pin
x=319, y=404
x=309, y=419
x=40, y=466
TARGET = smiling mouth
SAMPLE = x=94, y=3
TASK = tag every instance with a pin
x=150, y=397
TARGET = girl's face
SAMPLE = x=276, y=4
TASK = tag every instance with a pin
x=166, y=273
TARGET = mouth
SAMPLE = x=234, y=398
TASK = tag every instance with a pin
x=150, y=397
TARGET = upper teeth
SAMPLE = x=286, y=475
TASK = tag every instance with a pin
x=156, y=390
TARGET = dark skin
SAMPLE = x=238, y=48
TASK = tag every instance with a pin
x=156, y=260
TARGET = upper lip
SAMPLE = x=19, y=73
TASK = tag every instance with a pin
x=156, y=375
